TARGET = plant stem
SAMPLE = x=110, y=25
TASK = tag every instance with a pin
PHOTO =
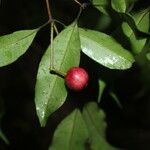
x=78, y=3
x=52, y=69
x=58, y=72
x=49, y=10
x=79, y=13
x=82, y=7
x=50, y=15
x=53, y=27
x=57, y=21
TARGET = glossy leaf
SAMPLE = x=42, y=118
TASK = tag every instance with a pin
x=50, y=91
x=13, y=45
x=71, y=134
x=142, y=22
x=119, y=5
x=101, y=5
x=102, y=86
x=105, y=50
x=95, y=121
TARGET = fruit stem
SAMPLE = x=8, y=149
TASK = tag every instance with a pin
x=82, y=7
x=49, y=10
x=52, y=28
x=50, y=15
x=58, y=72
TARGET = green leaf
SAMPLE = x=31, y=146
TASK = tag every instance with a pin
x=119, y=5
x=130, y=4
x=3, y=137
x=148, y=56
x=102, y=86
x=142, y=23
x=95, y=121
x=71, y=134
x=122, y=6
x=105, y=50
x=13, y=45
x=131, y=22
x=50, y=91
x=102, y=5
x=115, y=98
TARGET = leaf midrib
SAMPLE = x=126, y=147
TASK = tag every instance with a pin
x=67, y=47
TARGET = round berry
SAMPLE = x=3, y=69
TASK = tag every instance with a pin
x=76, y=78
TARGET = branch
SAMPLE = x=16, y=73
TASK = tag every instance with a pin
x=49, y=10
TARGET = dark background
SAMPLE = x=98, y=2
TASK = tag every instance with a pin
x=128, y=128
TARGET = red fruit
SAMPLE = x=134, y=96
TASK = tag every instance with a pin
x=76, y=78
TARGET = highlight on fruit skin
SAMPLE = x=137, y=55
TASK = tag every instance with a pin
x=76, y=78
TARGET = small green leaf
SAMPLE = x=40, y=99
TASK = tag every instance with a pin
x=105, y=50
x=102, y=86
x=102, y=5
x=122, y=6
x=71, y=134
x=50, y=91
x=95, y=121
x=141, y=22
x=119, y=5
x=115, y=98
x=3, y=137
x=13, y=45
x=148, y=56
x=130, y=5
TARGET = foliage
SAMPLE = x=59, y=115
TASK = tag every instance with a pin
x=84, y=128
